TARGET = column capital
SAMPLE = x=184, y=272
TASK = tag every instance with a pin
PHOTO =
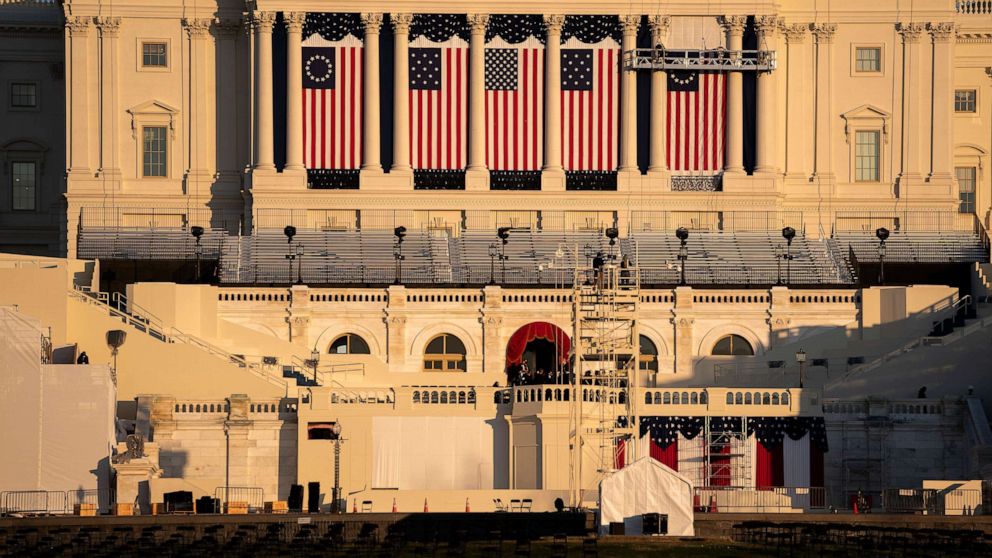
x=794, y=32
x=262, y=22
x=659, y=25
x=78, y=25
x=942, y=32
x=401, y=23
x=197, y=28
x=227, y=27
x=109, y=27
x=766, y=25
x=477, y=23
x=910, y=31
x=630, y=23
x=733, y=24
x=824, y=32
x=372, y=23
x=294, y=21
x=553, y=23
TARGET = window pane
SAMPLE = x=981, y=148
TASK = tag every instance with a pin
x=866, y=154
x=153, y=54
x=23, y=95
x=967, y=178
x=965, y=100
x=23, y=176
x=154, y=151
x=868, y=59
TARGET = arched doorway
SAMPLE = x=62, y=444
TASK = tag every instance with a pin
x=537, y=353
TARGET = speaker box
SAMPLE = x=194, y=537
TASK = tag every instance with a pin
x=295, y=502
x=313, y=497
x=207, y=504
x=179, y=501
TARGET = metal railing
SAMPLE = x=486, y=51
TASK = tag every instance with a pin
x=253, y=496
x=699, y=60
x=758, y=500
x=930, y=501
x=33, y=502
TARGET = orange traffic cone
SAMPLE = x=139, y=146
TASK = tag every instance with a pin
x=394, y=505
x=354, y=506
x=425, y=505
x=467, y=508
x=713, y=504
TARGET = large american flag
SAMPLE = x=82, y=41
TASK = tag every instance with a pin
x=590, y=95
x=514, y=105
x=332, y=103
x=438, y=103
x=697, y=108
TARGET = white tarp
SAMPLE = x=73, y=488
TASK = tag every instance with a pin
x=646, y=486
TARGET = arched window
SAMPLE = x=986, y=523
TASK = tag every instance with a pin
x=733, y=345
x=349, y=344
x=444, y=353
x=648, y=358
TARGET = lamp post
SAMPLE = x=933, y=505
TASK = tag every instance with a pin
x=504, y=235
x=197, y=232
x=883, y=234
x=788, y=233
x=399, y=232
x=801, y=359
x=612, y=233
x=493, y=254
x=290, y=232
x=115, y=340
x=336, y=437
x=299, y=263
x=682, y=234
x=314, y=361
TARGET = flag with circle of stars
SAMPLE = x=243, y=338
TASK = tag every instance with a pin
x=696, y=105
x=438, y=99
x=590, y=100
x=332, y=94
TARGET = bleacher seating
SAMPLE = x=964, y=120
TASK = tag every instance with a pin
x=149, y=244
x=915, y=246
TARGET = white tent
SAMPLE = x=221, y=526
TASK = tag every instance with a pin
x=646, y=486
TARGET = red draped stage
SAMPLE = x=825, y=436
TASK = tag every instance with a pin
x=537, y=330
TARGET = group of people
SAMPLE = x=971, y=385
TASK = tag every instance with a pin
x=521, y=375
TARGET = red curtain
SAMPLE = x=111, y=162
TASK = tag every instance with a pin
x=668, y=455
x=620, y=455
x=537, y=330
x=720, y=466
x=770, y=465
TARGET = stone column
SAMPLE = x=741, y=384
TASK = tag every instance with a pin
x=262, y=25
x=659, y=104
x=552, y=174
x=77, y=62
x=941, y=166
x=294, y=91
x=767, y=118
x=822, y=163
x=477, y=175
x=734, y=159
x=200, y=143
x=109, y=28
x=797, y=111
x=371, y=158
x=401, y=95
x=228, y=33
x=914, y=126
x=628, y=99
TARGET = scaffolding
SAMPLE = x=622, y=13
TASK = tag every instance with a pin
x=603, y=416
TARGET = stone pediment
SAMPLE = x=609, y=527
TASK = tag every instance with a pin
x=866, y=116
x=153, y=112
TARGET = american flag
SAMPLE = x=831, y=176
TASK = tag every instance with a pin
x=514, y=105
x=590, y=75
x=697, y=108
x=332, y=103
x=438, y=103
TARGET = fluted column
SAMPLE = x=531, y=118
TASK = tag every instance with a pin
x=797, y=132
x=552, y=174
x=78, y=65
x=943, y=103
x=734, y=158
x=477, y=175
x=371, y=158
x=914, y=125
x=767, y=118
x=628, y=99
x=823, y=163
x=401, y=94
x=229, y=31
x=109, y=28
x=200, y=144
x=659, y=103
x=262, y=25
x=294, y=90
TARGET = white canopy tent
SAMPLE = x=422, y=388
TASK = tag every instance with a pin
x=646, y=486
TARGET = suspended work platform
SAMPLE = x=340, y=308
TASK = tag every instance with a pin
x=699, y=60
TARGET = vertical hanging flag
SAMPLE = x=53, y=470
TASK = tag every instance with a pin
x=697, y=108
x=332, y=103
x=514, y=105
x=590, y=76
x=438, y=103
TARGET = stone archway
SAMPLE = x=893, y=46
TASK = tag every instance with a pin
x=537, y=353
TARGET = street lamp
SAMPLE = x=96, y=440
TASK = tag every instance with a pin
x=290, y=232
x=788, y=233
x=399, y=232
x=197, y=232
x=336, y=436
x=504, y=235
x=682, y=234
x=612, y=233
x=115, y=340
x=314, y=360
x=299, y=263
x=493, y=254
x=883, y=234
x=801, y=359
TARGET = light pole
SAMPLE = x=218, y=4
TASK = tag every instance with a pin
x=612, y=233
x=197, y=232
x=336, y=437
x=115, y=339
x=290, y=232
x=504, y=235
x=299, y=263
x=801, y=359
x=788, y=233
x=399, y=232
x=682, y=234
x=493, y=254
x=883, y=234
x=314, y=360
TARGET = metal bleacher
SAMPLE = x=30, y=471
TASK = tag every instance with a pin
x=916, y=246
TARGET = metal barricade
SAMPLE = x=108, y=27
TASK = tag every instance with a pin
x=252, y=495
x=33, y=502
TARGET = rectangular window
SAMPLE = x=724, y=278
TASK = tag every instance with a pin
x=868, y=59
x=965, y=100
x=866, y=155
x=153, y=55
x=23, y=185
x=967, y=176
x=154, y=151
x=23, y=95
